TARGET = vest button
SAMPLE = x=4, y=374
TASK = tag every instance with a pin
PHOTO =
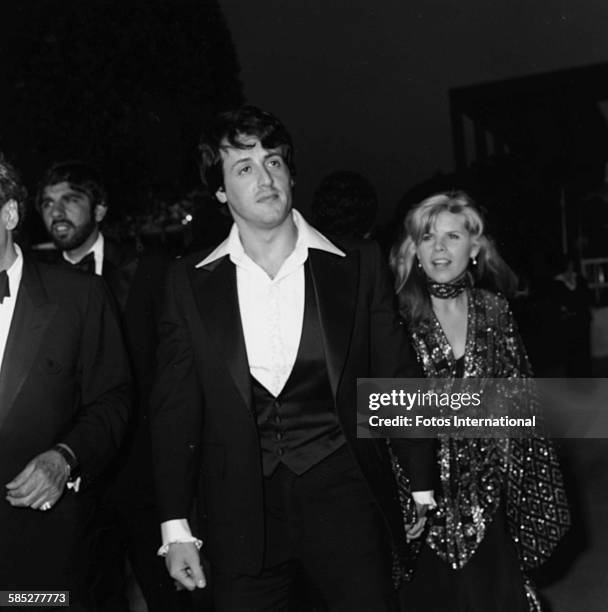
x=277, y=419
x=278, y=435
x=280, y=451
x=276, y=404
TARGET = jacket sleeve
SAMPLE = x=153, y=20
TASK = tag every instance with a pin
x=393, y=357
x=176, y=406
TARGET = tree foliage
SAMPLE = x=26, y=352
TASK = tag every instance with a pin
x=126, y=84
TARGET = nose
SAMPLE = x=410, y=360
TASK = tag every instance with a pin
x=439, y=245
x=57, y=210
x=265, y=178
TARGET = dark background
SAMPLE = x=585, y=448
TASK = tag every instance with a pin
x=365, y=85
x=362, y=86
x=128, y=85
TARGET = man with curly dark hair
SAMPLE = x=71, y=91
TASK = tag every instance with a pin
x=254, y=410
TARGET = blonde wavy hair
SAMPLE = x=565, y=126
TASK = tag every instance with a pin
x=491, y=271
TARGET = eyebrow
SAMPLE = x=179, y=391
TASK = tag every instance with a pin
x=431, y=230
x=241, y=160
x=68, y=193
x=270, y=153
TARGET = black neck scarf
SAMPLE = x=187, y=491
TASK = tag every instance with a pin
x=446, y=291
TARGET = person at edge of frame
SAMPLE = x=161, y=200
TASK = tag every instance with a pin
x=65, y=399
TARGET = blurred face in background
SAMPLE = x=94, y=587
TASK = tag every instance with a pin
x=445, y=250
x=69, y=216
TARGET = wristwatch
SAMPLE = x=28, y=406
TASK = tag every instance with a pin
x=70, y=459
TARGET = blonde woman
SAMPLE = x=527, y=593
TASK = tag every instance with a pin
x=501, y=505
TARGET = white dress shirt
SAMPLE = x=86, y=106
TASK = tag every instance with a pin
x=97, y=248
x=272, y=309
x=272, y=314
x=7, y=308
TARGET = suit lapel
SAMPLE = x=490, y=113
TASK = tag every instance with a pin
x=31, y=317
x=218, y=304
x=118, y=273
x=335, y=281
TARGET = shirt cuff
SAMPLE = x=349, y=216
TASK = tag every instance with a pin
x=174, y=531
x=424, y=498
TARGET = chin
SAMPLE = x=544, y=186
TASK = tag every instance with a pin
x=445, y=277
x=68, y=243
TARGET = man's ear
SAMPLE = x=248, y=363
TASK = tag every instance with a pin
x=10, y=215
x=100, y=211
x=220, y=194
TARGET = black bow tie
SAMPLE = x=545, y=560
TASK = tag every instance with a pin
x=4, y=289
x=86, y=264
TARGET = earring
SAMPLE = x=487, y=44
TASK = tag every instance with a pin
x=474, y=260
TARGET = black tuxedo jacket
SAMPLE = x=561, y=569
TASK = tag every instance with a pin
x=64, y=378
x=136, y=280
x=136, y=283
x=204, y=432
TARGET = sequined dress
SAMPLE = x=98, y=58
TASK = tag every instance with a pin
x=492, y=488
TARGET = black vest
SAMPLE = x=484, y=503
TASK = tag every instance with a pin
x=299, y=427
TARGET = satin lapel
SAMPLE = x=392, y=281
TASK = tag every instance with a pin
x=218, y=304
x=31, y=317
x=336, y=281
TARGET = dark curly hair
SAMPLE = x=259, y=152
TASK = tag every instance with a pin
x=80, y=175
x=230, y=127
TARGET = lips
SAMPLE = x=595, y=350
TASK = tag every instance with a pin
x=60, y=227
x=268, y=196
x=441, y=262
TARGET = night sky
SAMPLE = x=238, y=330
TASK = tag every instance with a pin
x=364, y=86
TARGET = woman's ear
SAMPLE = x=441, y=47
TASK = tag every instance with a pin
x=412, y=254
x=475, y=248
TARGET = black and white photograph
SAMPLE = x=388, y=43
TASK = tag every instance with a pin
x=241, y=243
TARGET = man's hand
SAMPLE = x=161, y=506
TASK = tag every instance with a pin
x=41, y=483
x=416, y=529
x=183, y=563
x=425, y=501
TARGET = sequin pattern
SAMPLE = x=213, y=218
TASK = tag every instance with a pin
x=477, y=475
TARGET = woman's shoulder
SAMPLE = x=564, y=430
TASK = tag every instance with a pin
x=491, y=301
x=416, y=329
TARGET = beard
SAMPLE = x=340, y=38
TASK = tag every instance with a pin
x=75, y=238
